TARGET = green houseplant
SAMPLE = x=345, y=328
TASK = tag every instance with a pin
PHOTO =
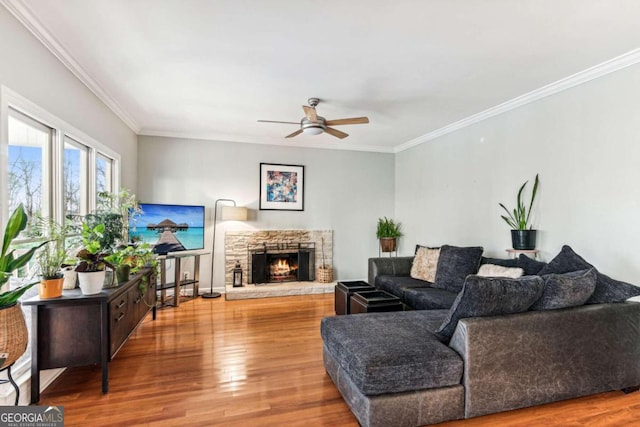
x=91, y=265
x=13, y=340
x=51, y=257
x=388, y=232
x=523, y=236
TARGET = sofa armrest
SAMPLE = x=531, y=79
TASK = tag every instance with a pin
x=531, y=358
x=396, y=266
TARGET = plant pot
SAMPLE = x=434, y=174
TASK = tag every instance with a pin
x=388, y=244
x=51, y=288
x=70, y=279
x=91, y=283
x=13, y=334
x=122, y=273
x=523, y=239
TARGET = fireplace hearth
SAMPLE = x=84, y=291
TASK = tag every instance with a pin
x=281, y=262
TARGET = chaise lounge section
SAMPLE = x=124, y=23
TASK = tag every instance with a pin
x=422, y=367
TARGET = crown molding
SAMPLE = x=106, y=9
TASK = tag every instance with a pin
x=607, y=67
x=267, y=141
x=27, y=18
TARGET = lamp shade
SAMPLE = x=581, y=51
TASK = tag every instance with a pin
x=234, y=213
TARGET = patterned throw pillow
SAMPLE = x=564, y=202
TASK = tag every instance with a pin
x=492, y=270
x=425, y=263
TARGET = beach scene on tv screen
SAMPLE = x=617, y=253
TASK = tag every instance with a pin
x=170, y=228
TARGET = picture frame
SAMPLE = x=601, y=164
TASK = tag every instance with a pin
x=281, y=187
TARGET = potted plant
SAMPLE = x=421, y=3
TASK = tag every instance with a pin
x=91, y=265
x=50, y=258
x=325, y=271
x=13, y=343
x=388, y=232
x=122, y=260
x=523, y=236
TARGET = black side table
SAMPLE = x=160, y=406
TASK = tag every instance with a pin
x=10, y=380
x=374, y=301
x=344, y=291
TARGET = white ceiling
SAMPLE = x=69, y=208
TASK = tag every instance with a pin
x=212, y=68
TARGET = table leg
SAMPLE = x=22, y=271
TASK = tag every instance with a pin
x=35, y=370
x=178, y=274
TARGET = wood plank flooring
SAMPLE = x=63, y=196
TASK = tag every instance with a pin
x=256, y=363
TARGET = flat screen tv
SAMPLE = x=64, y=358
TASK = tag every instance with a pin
x=170, y=228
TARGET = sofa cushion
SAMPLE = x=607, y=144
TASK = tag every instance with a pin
x=425, y=263
x=455, y=264
x=429, y=298
x=396, y=285
x=392, y=352
x=607, y=290
x=530, y=266
x=505, y=262
x=493, y=270
x=566, y=290
x=491, y=296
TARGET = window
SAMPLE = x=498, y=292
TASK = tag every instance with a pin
x=29, y=172
x=76, y=159
x=52, y=168
x=104, y=173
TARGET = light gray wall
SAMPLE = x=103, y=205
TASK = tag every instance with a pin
x=584, y=142
x=29, y=69
x=345, y=191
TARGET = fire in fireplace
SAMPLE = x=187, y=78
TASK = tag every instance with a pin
x=282, y=268
x=286, y=262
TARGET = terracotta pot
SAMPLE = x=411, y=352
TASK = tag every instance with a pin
x=387, y=244
x=13, y=334
x=50, y=288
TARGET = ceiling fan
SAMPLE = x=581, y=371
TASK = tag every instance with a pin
x=313, y=124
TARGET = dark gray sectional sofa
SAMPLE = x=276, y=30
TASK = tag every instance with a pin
x=397, y=369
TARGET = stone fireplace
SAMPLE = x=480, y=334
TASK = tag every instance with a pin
x=278, y=259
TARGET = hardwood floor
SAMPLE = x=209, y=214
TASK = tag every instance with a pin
x=256, y=363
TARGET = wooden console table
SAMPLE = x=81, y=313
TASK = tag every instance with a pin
x=78, y=330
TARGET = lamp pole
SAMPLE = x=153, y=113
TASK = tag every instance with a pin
x=212, y=294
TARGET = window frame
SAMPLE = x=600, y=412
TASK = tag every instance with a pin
x=10, y=100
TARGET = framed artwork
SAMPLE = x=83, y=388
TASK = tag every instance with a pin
x=281, y=187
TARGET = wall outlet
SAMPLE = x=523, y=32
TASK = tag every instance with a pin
x=186, y=275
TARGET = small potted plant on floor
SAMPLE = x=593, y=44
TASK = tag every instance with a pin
x=13, y=342
x=523, y=236
x=388, y=232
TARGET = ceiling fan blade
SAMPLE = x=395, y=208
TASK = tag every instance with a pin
x=336, y=133
x=274, y=121
x=298, y=132
x=310, y=112
x=352, y=121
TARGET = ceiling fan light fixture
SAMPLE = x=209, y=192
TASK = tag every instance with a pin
x=313, y=130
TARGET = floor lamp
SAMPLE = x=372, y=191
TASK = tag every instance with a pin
x=229, y=213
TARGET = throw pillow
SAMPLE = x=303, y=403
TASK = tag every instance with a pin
x=454, y=265
x=566, y=290
x=508, y=262
x=607, y=290
x=491, y=296
x=425, y=264
x=492, y=270
x=530, y=266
